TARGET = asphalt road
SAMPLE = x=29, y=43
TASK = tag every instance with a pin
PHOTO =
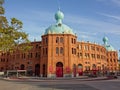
x=61, y=85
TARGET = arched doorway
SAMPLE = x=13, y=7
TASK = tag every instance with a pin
x=74, y=70
x=94, y=69
x=80, y=69
x=59, y=69
x=22, y=67
x=37, y=70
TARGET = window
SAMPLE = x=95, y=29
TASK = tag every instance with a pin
x=71, y=40
x=18, y=56
x=37, y=46
x=72, y=51
x=46, y=51
x=92, y=48
x=61, y=50
x=57, y=50
x=74, y=41
x=57, y=39
x=31, y=55
x=110, y=60
x=36, y=55
x=93, y=55
x=86, y=47
x=24, y=55
x=43, y=51
x=97, y=49
x=43, y=41
x=87, y=55
x=78, y=54
x=46, y=40
x=61, y=40
x=98, y=56
x=80, y=47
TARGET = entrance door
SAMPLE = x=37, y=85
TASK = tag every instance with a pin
x=37, y=70
x=74, y=70
x=59, y=69
x=80, y=69
x=22, y=67
x=44, y=70
x=94, y=69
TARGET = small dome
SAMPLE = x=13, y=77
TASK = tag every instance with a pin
x=106, y=45
x=59, y=15
x=105, y=39
x=59, y=27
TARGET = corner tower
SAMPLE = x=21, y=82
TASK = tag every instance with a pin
x=58, y=48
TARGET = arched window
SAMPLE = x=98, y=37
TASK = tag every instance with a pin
x=31, y=55
x=46, y=40
x=37, y=46
x=74, y=41
x=61, y=40
x=57, y=50
x=46, y=51
x=72, y=51
x=57, y=39
x=61, y=50
x=71, y=40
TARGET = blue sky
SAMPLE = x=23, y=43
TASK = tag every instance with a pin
x=90, y=19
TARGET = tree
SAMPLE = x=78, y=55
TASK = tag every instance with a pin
x=11, y=34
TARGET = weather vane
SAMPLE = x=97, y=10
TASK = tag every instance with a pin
x=58, y=4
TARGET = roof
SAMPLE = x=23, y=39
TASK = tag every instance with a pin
x=59, y=27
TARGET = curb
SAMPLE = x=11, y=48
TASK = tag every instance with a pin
x=41, y=80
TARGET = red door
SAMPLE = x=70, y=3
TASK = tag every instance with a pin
x=59, y=71
x=80, y=71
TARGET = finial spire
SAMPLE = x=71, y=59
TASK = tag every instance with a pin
x=58, y=4
x=59, y=15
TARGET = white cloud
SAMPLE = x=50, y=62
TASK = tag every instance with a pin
x=110, y=16
x=92, y=25
x=110, y=2
x=116, y=2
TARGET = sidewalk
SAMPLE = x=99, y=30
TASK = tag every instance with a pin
x=38, y=79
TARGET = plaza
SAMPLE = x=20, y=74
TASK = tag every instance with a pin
x=71, y=84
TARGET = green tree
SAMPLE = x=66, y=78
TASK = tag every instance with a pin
x=11, y=34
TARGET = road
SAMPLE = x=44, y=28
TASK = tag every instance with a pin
x=61, y=85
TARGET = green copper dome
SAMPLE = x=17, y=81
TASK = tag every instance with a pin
x=107, y=46
x=59, y=16
x=105, y=39
x=59, y=27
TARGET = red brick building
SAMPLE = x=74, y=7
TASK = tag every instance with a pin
x=59, y=54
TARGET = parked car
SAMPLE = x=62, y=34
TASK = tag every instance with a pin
x=112, y=76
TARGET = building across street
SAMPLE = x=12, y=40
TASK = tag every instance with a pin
x=60, y=54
